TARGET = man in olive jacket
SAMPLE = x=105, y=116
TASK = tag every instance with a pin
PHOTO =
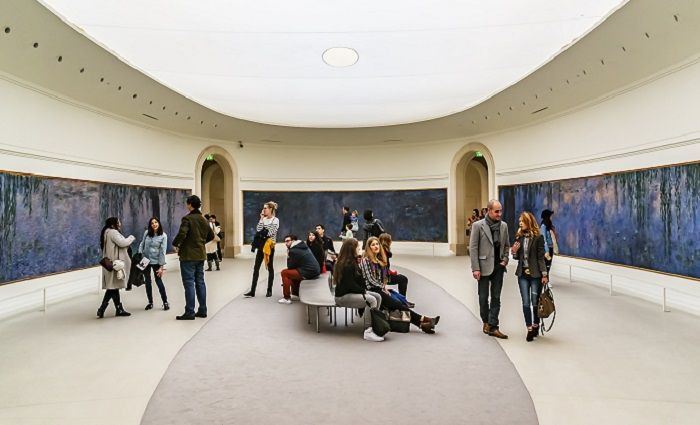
x=189, y=243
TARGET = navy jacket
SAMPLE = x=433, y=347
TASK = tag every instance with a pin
x=301, y=258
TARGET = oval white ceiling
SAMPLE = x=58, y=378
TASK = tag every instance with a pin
x=263, y=60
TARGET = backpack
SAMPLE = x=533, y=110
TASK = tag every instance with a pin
x=376, y=229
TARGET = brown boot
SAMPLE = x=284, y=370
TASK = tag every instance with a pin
x=498, y=334
x=486, y=328
x=427, y=325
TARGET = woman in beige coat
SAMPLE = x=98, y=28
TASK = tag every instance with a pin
x=114, y=246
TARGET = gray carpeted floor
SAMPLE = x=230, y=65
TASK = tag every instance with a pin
x=259, y=362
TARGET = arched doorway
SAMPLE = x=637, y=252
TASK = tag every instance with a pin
x=472, y=183
x=216, y=184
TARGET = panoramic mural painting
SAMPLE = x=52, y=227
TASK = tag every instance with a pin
x=409, y=215
x=647, y=218
x=52, y=225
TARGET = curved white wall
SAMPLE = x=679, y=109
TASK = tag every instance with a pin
x=655, y=123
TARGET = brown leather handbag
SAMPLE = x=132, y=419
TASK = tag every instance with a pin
x=546, y=308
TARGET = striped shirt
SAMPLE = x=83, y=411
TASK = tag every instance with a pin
x=375, y=275
x=271, y=224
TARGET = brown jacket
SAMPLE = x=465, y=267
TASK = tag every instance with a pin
x=194, y=233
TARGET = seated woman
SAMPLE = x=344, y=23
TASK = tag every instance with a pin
x=375, y=272
x=395, y=278
x=315, y=244
x=528, y=249
x=350, y=286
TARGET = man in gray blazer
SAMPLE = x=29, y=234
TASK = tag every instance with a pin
x=488, y=249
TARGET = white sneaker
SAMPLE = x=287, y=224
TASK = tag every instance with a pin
x=371, y=336
x=295, y=297
x=284, y=301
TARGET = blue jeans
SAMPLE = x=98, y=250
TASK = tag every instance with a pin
x=192, y=273
x=159, y=281
x=530, y=289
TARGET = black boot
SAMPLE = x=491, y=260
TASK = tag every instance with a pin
x=208, y=266
x=101, y=310
x=250, y=293
x=121, y=312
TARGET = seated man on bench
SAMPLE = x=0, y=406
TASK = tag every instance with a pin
x=301, y=265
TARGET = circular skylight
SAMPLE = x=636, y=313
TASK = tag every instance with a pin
x=340, y=56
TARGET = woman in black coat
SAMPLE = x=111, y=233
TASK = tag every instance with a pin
x=528, y=249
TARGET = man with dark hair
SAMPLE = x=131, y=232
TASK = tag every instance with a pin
x=372, y=227
x=346, y=220
x=301, y=264
x=488, y=251
x=328, y=247
x=189, y=243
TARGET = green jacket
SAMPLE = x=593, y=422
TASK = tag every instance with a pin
x=194, y=233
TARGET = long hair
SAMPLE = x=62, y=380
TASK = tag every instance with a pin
x=385, y=242
x=159, y=232
x=318, y=241
x=547, y=219
x=110, y=223
x=379, y=258
x=530, y=223
x=346, y=259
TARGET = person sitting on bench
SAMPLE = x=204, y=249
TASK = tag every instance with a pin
x=301, y=265
x=350, y=285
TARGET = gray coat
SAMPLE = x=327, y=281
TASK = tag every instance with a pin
x=481, y=247
x=115, y=248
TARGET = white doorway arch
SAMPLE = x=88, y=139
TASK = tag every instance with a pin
x=472, y=184
x=216, y=182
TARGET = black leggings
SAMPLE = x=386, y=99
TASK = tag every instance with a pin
x=259, y=257
x=111, y=294
x=389, y=303
x=401, y=280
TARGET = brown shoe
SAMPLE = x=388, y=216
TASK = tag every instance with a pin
x=427, y=326
x=498, y=334
x=486, y=328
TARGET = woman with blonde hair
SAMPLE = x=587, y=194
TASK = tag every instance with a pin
x=528, y=249
x=271, y=224
x=375, y=272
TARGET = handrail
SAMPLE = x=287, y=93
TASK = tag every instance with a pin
x=51, y=286
x=664, y=288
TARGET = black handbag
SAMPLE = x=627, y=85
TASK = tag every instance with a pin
x=380, y=320
x=400, y=321
x=136, y=277
x=546, y=308
x=107, y=264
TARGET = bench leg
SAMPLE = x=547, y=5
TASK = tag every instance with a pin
x=308, y=314
x=352, y=316
x=335, y=313
x=346, y=316
x=318, y=330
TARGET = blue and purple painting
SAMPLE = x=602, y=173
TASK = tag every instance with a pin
x=647, y=218
x=409, y=215
x=52, y=225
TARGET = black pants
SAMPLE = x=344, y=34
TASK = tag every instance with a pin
x=270, y=269
x=111, y=294
x=492, y=283
x=388, y=303
x=547, y=262
x=401, y=280
x=159, y=283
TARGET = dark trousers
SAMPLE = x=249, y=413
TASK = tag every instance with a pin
x=493, y=284
x=547, y=262
x=389, y=303
x=192, y=273
x=111, y=294
x=159, y=283
x=401, y=280
x=270, y=269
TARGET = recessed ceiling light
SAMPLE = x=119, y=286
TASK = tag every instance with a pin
x=340, y=56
